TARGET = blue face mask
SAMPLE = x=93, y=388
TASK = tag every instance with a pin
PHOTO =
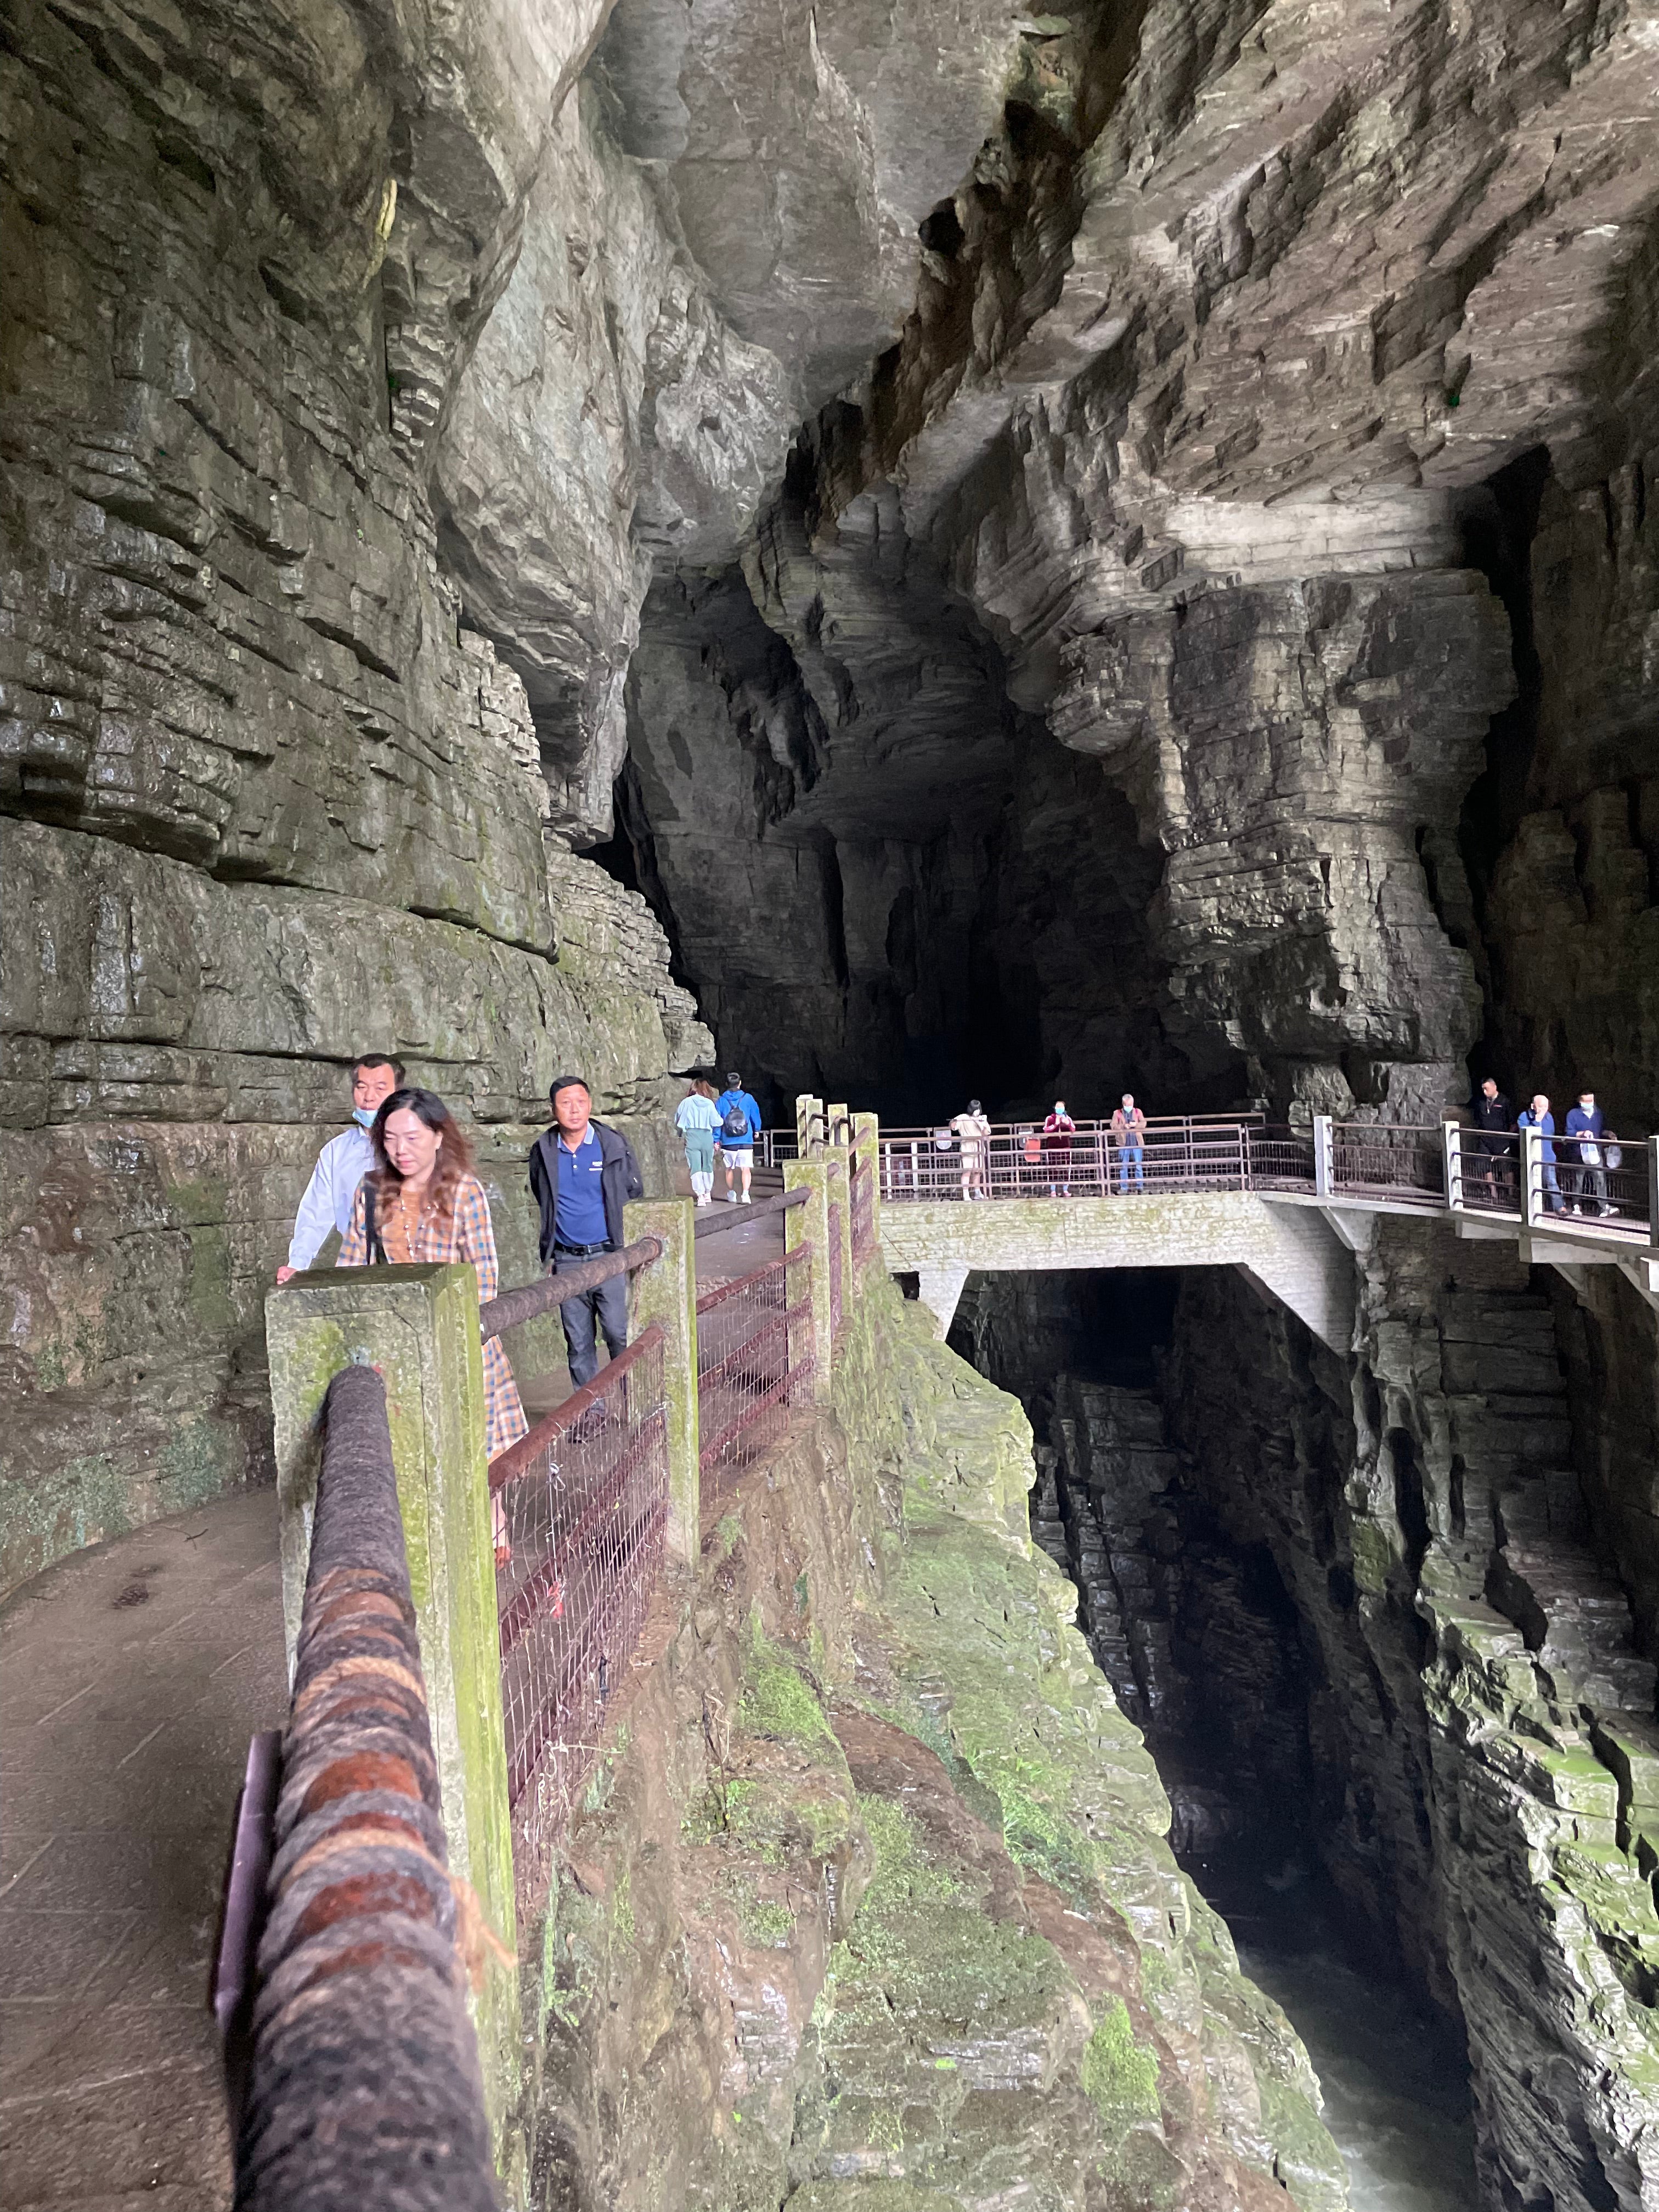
x=365, y=1115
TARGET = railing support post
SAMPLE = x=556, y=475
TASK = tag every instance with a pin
x=1451, y=1137
x=1532, y=1178
x=666, y=1291
x=808, y=1125
x=419, y=1327
x=1324, y=1155
x=810, y=1224
x=838, y=1153
x=867, y=1143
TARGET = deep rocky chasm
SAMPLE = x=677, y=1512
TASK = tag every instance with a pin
x=916, y=549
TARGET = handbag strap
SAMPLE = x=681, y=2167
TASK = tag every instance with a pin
x=376, y=1250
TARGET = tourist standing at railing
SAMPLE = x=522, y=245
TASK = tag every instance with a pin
x=1581, y=1162
x=1129, y=1142
x=342, y=1164
x=1538, y=1116
x=973, y=1131
x=582, y=1173
x=1494, y=1147
x=698, y=1120
x=1058, y=1130
x=422, y=1206
x=741, y=1124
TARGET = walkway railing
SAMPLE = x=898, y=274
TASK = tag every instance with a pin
x=586, y=1500
x=862, y=1199
x=755, y=1359
x=585, y=1504
x=1594, y=1188
x=365, y=2086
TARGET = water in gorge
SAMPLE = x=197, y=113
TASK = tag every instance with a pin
x=1395, y=2079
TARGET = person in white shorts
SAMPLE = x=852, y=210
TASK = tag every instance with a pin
x=741, y=1124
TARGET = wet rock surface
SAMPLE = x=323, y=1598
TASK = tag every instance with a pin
x=1382, y=1613
x=873, y=1906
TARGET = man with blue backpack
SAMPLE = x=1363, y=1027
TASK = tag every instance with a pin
x=741, y=1124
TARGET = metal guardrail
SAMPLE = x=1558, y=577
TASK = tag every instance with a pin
x=716, y=1221
x=531, y=1300
x=1503, y=1174
x=1089, y=1160
x=861, y=1197
x=755, y=1358
x=584, y=1499
x=364, y=2085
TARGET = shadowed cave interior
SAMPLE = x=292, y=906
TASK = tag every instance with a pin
x=917, y=553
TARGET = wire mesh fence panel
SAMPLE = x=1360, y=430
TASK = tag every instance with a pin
x=1600, y=1180
x=754, y=1360
x=1489, y=1172
x=1383, y=1159
x=1087, y=1159
x=834, y=1271
x=863, y=1199
x=1279, y=1158
x=584, y=1499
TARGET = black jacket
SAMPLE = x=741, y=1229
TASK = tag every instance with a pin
x=1492, y=1114
x=619, y=1180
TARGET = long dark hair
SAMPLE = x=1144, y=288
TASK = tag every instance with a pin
x=454, y=1157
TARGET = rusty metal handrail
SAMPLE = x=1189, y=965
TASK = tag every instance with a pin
x=531, y=1300
x=508, y=1466
x=365, y=2086
x=722, y=1218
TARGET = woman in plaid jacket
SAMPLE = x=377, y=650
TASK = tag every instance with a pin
x=421, y=1204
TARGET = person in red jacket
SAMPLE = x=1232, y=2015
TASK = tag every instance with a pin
x=1057, y=1131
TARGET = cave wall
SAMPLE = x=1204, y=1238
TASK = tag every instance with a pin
x=1397, y=1609
x=270, y=797
x=871, y=1900
x=885, y=883
x=1227, y=355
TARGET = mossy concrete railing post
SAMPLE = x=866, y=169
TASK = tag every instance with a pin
x=419, y=1327
x=839, y=1154
x=866, y=1145
x=666, y=1291
x=808, y=1125
x=810, y=1224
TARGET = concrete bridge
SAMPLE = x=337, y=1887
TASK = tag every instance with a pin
x=1287, y=1207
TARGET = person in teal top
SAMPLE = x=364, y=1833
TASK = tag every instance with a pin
x=697, y=1120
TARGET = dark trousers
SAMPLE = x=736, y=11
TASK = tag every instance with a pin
x=608, y=1306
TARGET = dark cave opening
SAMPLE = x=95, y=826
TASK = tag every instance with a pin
x=1216, y=1595
x=884, y=882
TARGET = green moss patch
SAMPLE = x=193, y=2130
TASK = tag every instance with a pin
x=1119, y=2076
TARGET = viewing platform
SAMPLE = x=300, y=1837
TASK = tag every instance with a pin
x=1285, y=1206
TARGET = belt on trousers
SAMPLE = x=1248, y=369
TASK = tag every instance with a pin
x=581, y=1251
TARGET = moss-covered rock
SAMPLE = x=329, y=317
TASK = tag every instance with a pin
x=877, y=1913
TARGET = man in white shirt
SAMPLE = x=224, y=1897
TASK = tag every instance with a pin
x=342, y=1164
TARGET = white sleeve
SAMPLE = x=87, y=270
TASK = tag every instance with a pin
x=315, y=1217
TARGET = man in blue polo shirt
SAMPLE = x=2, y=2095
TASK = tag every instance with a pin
x=741, y=1124
x=582, y=1173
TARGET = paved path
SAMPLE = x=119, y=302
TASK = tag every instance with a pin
x=133, y=1675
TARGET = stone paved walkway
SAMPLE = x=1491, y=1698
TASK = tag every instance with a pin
x=131, y=1677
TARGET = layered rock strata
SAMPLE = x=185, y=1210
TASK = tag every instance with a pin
x=871, y=1901
x=1241, y=361
x=1380, y=1608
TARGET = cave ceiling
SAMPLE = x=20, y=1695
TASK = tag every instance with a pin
x=950, y=395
